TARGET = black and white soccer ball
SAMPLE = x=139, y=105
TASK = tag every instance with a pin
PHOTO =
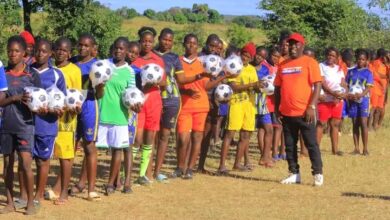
x=268, y=82
x=213, y=64
x=356, y=89
x=151, y=74
x=56, y=99
x=233, y=65
x=339, y=89
x=38, y=98
x=74, y=98
x=132, y=96
x=223, y=93
x=101, y=72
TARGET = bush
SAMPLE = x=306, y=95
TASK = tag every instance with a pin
x=238, y=35
x=10, y=21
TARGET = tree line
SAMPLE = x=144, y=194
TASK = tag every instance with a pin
x=341, y=23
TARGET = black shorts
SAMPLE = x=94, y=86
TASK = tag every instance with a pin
x=16, y=142
x=169, y=116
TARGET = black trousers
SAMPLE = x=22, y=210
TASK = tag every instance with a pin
x=291, y=128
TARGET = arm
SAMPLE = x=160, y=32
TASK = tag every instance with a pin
x=182, y=79
x=211, y=84
x=240, y=88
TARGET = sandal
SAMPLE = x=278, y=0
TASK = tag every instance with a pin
x=127, y=190
x=241, y=169
x=93, y=196
x=60, y=201
x=50, y=195
x=76, y=189
x=222, y=172
x=31, y=211
x=20, y=203
x=109, y=190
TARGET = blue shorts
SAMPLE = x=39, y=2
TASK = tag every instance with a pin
x=223, y=109
x=263, y=120
x=132, y=127
x=362, y=109
x=43, y=146
x=88, y=119
x=345, y=109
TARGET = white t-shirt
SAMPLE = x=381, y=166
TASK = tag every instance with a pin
x=333, y=76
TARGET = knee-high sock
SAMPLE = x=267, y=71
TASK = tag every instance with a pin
x=145, y=158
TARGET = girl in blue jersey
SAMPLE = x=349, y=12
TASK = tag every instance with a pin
x=46, y=127
x=87, y=123
x=358, y=107
x=17, y=127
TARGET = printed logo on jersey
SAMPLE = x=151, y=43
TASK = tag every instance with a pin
x=89, y=131
x=292, y=70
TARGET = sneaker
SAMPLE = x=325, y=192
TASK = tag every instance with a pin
x=318, y=180
x=276, y=158
x=177, y=173
x=143, y=181
x=293, y=178
x=161, y=178
x=188, y=174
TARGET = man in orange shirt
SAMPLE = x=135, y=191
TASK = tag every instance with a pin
x=377, y=99
x=295, y=105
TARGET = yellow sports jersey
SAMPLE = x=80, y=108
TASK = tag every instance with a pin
x=248, y=75
x=72, y=75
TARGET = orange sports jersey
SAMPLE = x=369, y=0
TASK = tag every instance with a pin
x=343, y=66
x=379, y=70
x=295, y=78
x=192, y=68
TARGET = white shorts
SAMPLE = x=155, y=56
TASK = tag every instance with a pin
x=115, y=136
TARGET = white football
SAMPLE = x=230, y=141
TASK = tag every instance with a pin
x=38, y=98
x=269, y=88
x=213, y=64
x=132, y=96
x=233, y=64
x=151, y=74
x=356, y=89
x=223, y=93
x=74, y=98
x=56, y=99
x=339, y=89
x=101, y=72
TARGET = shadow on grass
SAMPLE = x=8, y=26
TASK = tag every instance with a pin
x=365, y=196
x=237, y=176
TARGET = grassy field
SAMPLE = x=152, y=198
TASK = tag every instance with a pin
x=356, y=187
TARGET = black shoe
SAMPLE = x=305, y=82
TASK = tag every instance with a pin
x=188, y=174
x=109, y=190
x=177, y=173
x=143, y=181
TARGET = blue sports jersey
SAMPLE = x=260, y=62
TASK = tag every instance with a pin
x=47, y=124
x=261, y=98
x=85, y=68
x=3, y=79
x=362, y=77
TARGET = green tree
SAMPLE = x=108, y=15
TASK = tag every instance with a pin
x=150, y=13
x=79, y=17
x=127, y=13
x=324, y=22
x=180, y=18
x=384, y=4
x=248, y=21
x=238, y=35
x=214, y=17
x=10, y=21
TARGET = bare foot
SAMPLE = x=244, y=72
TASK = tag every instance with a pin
x=7, y=209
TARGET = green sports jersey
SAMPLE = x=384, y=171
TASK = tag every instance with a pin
x=112, y=111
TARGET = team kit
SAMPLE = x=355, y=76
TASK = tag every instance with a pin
x=58, y=97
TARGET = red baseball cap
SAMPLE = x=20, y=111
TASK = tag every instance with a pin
x=297, y=37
